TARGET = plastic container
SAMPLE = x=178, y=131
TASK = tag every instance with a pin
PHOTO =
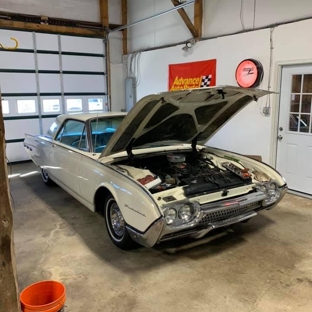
x=44, y=296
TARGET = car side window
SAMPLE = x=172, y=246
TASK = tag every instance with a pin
x=74, y=134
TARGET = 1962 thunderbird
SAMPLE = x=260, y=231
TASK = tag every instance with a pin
x=150, y=173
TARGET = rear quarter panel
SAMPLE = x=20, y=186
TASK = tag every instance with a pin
x=38, y=148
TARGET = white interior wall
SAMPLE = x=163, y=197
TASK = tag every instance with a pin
x=249, y=132
x=220, y=17
x=84, y=10
x=159, y=31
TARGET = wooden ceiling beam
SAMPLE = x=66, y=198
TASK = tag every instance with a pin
x=124, y=12
x=104, y=13
x=51, y=28
x=198, y=17
x=186, y=19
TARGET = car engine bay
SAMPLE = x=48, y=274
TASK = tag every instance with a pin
x=198, y=173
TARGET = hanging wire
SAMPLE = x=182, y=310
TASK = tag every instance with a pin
x=242, y=14
x=254, y=14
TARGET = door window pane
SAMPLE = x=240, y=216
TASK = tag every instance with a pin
x=102, y=130
x=307, y=84
x=51, y=105
x=295, y=103
x=296, y=84
x=26, y=106
x=304, y=123
x=5, y=107
x=306, y=104
x=95, y=104
x=74, y=105
x=293, y=122
x=71, y=134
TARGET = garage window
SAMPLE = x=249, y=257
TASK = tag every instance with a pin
x=51, y=105
x=26, y=106
x=5, y=107
x=74, y=105
x=95, y=104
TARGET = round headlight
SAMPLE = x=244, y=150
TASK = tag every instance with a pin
x=186, y=213
x=170, y=215
x=272, y=186
x=261, y=188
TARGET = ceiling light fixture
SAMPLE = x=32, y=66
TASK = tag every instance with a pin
x=188, y=45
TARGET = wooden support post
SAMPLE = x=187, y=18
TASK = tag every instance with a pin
x=186, y=19
x=9, y=296
x=104, y=13
x=198, y=17
x=124, y=12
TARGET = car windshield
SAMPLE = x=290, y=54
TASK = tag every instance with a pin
x=102, y=130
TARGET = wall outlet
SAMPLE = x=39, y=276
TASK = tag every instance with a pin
x=266, y=111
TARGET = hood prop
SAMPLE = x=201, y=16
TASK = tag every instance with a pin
x=194, y=143
x=129, y=149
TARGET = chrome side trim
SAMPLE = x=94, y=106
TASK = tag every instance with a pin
x=150, y=237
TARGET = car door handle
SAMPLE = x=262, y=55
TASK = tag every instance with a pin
x=280, y=138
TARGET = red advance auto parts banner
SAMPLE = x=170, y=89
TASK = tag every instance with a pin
x=192, y=75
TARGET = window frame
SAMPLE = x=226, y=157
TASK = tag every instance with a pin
x=85, y=129
x=3, y=113
x=50, y=112
x=94, y=110
x=74, y=111
x=27, y=113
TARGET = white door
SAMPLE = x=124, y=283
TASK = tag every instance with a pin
x=294, y=151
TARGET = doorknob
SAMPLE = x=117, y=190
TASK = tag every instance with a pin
x=280, y=138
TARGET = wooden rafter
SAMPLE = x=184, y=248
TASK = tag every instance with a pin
x=104, y=13
x=186, y=19
x=51, y=28
x=198, y=17
x=124, y=11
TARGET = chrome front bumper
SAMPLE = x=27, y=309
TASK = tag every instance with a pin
x=212, y=216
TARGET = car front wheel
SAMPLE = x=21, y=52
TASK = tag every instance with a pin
x=116, y=225
x=45, y=177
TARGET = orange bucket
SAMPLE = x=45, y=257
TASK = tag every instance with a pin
x=45, y=296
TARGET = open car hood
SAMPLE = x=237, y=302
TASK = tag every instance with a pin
x=188, y=116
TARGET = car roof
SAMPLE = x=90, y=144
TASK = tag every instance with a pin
x=87, y=116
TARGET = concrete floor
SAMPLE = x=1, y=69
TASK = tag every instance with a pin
x=264, y=265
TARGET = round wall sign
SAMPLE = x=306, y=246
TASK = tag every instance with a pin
x=249, y=73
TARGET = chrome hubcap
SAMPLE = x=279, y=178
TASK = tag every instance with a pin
x=117, y=220
x=45, y=175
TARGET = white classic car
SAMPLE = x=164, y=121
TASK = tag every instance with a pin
x=150, y=174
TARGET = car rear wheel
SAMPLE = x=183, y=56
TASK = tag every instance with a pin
x=45, y=177
x=116, y=225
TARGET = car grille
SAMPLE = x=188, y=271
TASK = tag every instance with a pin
x=181, y=233
x=223, y=214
